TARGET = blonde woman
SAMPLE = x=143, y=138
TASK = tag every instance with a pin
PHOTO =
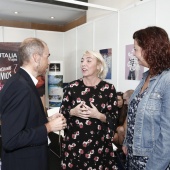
x=89, y=105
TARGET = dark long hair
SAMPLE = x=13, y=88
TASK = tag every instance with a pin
x=155, y=45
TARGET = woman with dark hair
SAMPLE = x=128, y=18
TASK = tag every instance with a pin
x=119, y=99
x=122, y=112
x=147, y=141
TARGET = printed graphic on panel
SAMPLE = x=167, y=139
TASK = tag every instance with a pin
x=107, y=55
x=133, y=71
x=9, y=63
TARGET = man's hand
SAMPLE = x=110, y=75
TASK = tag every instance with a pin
x=56, y=115
x=58, y=123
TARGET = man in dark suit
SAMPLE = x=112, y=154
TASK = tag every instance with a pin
x=25, y=126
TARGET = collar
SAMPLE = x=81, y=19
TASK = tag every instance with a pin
x=145, y=74
x=32, y=77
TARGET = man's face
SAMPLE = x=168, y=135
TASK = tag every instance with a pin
x=44, y=61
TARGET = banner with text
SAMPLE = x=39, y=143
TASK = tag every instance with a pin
x=9, y=63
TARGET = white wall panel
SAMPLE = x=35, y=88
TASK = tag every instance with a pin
x=17, y=34
x=163, y=14
x=131, y=20
x=55, y=42
x=70, y=57
x=1, y=34
x=106, y=36
x=84, y=42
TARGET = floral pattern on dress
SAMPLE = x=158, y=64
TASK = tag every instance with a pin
x=88, y=142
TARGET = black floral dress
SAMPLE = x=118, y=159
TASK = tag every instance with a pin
x=87, y=143
x=134, y=162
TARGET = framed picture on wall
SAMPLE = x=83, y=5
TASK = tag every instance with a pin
x=55, y=84
x=54, y=67
x=107, y=55
x=133, y=71
x=55, y=90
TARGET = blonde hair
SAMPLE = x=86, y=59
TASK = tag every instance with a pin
x=102, y=71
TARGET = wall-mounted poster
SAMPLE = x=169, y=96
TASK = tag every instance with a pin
x=9, y=63
x=107, y=55
x=133, y=71
x=55, y=84
x=54, y=67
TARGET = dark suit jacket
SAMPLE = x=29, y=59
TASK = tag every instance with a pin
x=24, y=135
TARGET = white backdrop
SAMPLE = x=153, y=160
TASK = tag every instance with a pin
x=16, y=34
x=70, y=55
x=163, y=14
x=84, y=42
x=131, y=20
x=106, y=36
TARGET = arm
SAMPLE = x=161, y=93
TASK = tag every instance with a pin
x=112, y=110
x=124, y=147
x=85, y=112
x=109, y=115
x=17, y=131
x=23, y=120
x=70, y=108
x=66, y=104
x=159, y=158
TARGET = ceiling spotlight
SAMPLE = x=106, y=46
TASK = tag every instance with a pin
x=16, y=12
x=52, y=17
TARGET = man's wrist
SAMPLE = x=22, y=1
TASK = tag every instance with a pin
x=48, y=127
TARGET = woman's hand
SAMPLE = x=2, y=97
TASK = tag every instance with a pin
x=80, y=111
x=83, y=111
x=125, y=150
x=93, y=112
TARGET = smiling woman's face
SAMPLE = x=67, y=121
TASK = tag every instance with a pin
x=89, y=66
x=138, y=53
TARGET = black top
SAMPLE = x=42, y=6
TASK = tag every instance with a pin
x=88, y=141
